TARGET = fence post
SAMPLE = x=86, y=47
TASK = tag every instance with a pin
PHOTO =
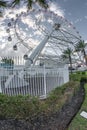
x=66, y=74
x=45, y=92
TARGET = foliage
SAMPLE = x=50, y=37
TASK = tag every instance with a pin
x=18, y=106
x=80, y=123
x=67, y=54
x=80, y=47
x=27, y=107
x=42, y=3
x=78, y=75
x=2, y=3
x=8, y=61
x=62, y=94
x=13, y=3
x=29, y=3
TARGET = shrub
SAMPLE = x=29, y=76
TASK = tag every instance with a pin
x=84, y=72
x=26, y=107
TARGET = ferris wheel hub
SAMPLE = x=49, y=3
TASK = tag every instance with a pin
x=57, y=26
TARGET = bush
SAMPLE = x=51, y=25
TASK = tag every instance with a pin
x=27, y=107
x=77, y=76
x=84, y=72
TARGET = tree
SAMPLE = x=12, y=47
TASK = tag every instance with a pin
x=29, y=3
x=42, y=3
x=80, y=47
x=67, y=55
x=8, y=61
x=2, y=3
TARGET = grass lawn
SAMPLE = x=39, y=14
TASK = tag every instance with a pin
x=79, y=122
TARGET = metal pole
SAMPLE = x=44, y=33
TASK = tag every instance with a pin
x=45, y=92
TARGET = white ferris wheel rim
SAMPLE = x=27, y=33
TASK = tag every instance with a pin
x=62, y=40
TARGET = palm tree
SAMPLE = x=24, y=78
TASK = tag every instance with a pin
x=80, y=47
x=2, y=3
x=42, y=3
x=67, y=55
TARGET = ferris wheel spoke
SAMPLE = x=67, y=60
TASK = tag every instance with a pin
x=56, y=48
x=69, y=39
x=58, y=42
x=61, y=39
x=74, y=36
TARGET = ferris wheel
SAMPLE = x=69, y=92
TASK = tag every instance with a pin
x=45, y=35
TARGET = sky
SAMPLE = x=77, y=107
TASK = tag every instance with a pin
x=75, y=11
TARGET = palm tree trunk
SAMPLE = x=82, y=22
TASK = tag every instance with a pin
x=70, y=60
x=85, y=56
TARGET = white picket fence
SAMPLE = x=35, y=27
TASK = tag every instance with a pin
x=36, y=81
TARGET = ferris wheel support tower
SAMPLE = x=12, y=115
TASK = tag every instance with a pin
x=35, y=53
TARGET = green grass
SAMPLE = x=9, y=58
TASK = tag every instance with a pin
x=80, y=123
x=78, y=75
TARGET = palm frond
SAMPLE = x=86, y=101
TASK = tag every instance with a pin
x=29, y=4
x=15, y=2
x=64, y=57
x=42, y=3
x=1, y=14
x=3, y=3
x=80, y=46
x=68, y=51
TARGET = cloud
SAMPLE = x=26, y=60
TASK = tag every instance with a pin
x=78, y=20
x=69, y=14
x=53, y=6
x=65, y=0
x=85, y=17
x=85, y=41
